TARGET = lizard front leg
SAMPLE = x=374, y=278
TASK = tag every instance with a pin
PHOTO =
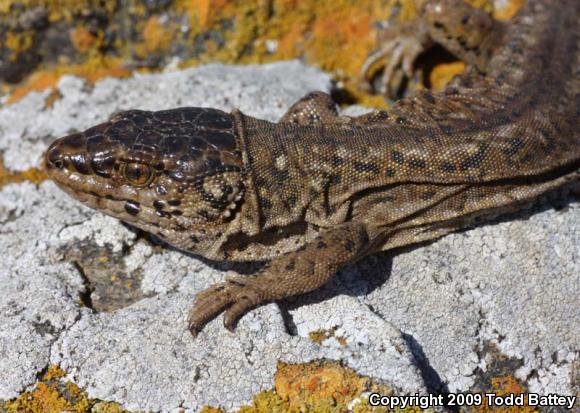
x=291, y=274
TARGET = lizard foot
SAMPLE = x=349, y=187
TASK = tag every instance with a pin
x=236, y=296
x=290, y=274
x=400, y=45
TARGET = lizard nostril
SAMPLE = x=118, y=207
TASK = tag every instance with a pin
x=68, y=152
x=54, y=157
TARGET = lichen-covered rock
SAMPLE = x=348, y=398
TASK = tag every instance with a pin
x=498, y=301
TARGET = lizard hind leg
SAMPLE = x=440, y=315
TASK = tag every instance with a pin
x=465, y=31
x=290, y=274
x=399, y=47
x=468, y=32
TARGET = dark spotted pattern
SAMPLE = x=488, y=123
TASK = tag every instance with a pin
x=316, y=190
x=132, y=207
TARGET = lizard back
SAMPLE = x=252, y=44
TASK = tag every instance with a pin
x=489, y=140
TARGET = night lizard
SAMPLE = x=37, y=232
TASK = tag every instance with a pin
x=316, y=191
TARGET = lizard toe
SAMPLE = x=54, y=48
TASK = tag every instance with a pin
x=236, y=292
x=245, y=301
x=208, y=304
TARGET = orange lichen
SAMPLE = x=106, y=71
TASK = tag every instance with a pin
x=52, y=98
x=204, y=14
x=92, y=71
x=34, y=175
x=336, y=35
x=313, y=387
x=318, y=336
x=318, y=386
x=330, y=43
x=38, y=82
x=323, y=382
x=443, y=73
x=54, y=372
x=287, y=45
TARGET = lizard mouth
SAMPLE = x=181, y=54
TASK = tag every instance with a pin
x=96, y=193
x=83, y=190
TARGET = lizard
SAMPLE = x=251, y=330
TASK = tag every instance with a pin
x=317, y=190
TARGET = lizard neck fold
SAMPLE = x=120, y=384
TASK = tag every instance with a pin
x=273, y=171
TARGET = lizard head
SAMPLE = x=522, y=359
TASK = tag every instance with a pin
x=175, y=173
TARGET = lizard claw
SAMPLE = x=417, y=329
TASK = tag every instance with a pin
x=235, y=296
x=401, y=49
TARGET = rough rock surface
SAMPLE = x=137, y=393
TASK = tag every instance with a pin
x=420, y=320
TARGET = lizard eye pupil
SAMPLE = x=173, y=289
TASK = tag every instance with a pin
x=137, y=173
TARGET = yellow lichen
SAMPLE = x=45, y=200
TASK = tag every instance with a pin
x=67, y=9
x=54, y=395
x=4, y=7
x=208, y=409
x=486, y=5
x=19, y=42
x=504, y=386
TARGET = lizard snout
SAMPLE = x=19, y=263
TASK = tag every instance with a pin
x=68, y=152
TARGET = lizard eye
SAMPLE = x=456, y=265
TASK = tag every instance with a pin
x=136, y=173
